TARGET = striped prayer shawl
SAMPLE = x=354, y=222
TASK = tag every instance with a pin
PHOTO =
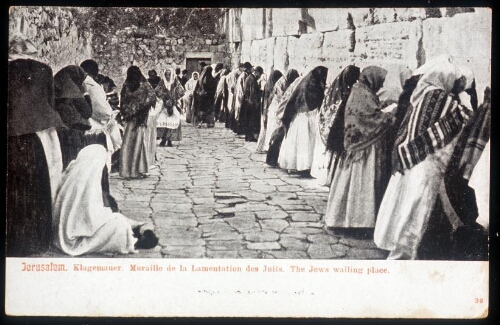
x=429, y=127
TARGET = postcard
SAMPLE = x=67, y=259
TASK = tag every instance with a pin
x=248, y=162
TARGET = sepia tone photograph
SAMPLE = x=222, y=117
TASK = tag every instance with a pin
x=247, y=134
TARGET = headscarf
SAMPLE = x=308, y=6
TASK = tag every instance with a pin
x=72, y=107
x=137, y=97
x=290, y=77
x=433, y=119
x=268, y=90
x=134, y=78
x=364, y=122
x=308, y=94
x=153, y=79
x=68, y=82
x=331, y=114
x=191, y=83
x=79, y=210
x=30, y=101
x=172, y=83
x=396, y=76
x=206, y=85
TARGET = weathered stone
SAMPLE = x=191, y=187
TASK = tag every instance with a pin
x=288, y=254
x=264, y=246
x=222, y=254
x=292, y=243
x=323, y=239
x=261, y=236
x=305, y=216
x=366, y=254
x=286, y=21
x=249, y=254
x=320, y=251
x=224, y=245
x=274, y=224
x=169, y=222
x=173, y=207
x=271, y=214
x=184, y=252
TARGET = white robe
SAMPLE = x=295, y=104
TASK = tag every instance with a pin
x=84, y=224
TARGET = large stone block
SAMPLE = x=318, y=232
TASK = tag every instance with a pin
x=280, y=58
x=246, y=50
x=327, y=19
x=286, y=21
x=252, y=24
x=305, y=52
x=384, y=44
x=466, y=38
x=336, y=51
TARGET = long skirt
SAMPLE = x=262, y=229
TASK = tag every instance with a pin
x=408, y=203
x=72, y=141
x=273, y=123
x=134, y=156
x=151, y=135
x=262, y=136
x=170, y=134
x=357, y=188
x=321, y=161
x=29, y=202
x=297, y=149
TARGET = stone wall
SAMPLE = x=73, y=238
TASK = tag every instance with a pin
x=304, y=38
x=115, y=53
x=60, y=41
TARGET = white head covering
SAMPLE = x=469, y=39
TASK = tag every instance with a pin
x=84, y=223
x=442, y=59
x=169, y=83
x=393, y=84
x=439, y=76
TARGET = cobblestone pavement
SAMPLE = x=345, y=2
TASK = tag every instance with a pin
x=212, y=196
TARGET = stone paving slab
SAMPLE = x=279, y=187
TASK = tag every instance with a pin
x=212, y=196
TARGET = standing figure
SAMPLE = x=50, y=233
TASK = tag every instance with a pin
x=73, y=109
x=137, y=98
x=184, y=77
x=362, y=172
x=252, y=101
x=439, y=108
x=246, y=69
x=170, y=91
x=220, y=102
x=275, y=110
x=329, y=145
x=203, y=99
x=188, y=96
x=154, y=112
x=34, y=160
x=300, y=121
x=267, y=98
x=232, y=78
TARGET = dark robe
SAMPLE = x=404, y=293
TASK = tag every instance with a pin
x=30, y=109
x=250, y=108
x=203, y=97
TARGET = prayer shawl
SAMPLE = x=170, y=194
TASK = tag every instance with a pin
x=83, y=223
x=307, y=95
x=135, y=105
x=282, y=85
x=232, y=77
x=473, y=139
x=30, y=101
x=331, y=114
x=433, y=119
x=72, y=107
x=220, y=85
x=269, y=90
x=238, y=94
x=364, y=122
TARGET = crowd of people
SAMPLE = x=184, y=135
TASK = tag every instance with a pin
x=397, y=148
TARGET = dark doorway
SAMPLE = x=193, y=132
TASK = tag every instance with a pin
x=193, y=64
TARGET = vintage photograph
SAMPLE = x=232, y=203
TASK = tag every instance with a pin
x=248, y=133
